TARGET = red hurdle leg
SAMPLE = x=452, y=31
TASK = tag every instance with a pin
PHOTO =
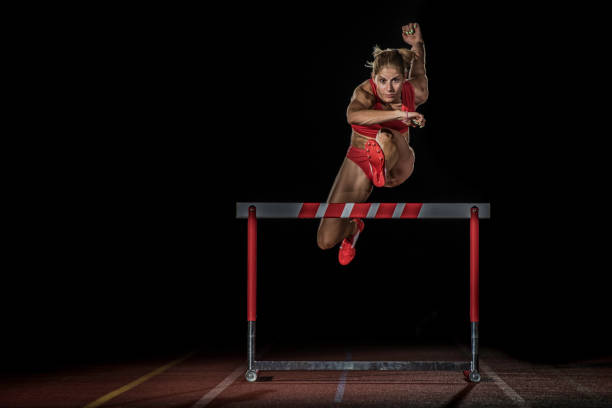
x=474, y=244
x=474, y=374
x=251, y=374
x=252, y=266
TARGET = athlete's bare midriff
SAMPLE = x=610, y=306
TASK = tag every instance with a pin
x=358, y=140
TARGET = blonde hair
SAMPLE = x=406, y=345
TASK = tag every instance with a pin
x=400, y=58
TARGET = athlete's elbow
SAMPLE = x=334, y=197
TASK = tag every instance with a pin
x=350, y=118
x=353, y=118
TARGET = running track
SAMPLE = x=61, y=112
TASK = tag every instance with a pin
x=209, y=379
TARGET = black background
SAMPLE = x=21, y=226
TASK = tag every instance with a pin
x=128, y=243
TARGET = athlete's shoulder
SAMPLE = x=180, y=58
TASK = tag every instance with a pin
x=365, y=86
x=363, y=96
x=364, y=90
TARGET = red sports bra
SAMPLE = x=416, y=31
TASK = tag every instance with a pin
x=407, y=106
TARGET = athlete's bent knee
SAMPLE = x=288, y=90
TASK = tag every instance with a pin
x=324, y=242
x=400, y=178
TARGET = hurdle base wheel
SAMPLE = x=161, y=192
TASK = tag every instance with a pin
x=251, y=375
x=473, y=376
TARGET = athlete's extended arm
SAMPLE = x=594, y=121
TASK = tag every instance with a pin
x=417, y=75
x=360, y=111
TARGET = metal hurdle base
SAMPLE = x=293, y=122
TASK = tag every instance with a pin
x=251, y=375
x=363, y=365
x=473, y=376
x=469, y=368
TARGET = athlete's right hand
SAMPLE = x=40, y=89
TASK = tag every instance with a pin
x=413, y=119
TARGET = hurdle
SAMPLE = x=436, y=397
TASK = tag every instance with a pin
x=255, y=210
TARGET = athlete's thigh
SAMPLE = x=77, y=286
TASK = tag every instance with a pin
x=405, y=163
x=351, y=186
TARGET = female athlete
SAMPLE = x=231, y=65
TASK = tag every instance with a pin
x=381, y=112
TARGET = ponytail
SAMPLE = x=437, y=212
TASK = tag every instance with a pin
x=399, y=57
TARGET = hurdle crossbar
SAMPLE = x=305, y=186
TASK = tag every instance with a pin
x=471, y=211
x=363, y=210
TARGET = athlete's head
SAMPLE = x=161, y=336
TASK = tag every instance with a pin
x=390, y=69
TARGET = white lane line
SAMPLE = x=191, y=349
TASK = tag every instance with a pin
x=579, y=387
x=342, y=383
x=559, y=373
x=508, y=390
x=212, y=394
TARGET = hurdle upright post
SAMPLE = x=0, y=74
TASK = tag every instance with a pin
x=251, y=290
x=474, y=302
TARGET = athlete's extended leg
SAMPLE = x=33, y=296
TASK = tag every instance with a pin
x=351, y=186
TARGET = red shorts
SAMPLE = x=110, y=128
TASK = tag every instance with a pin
x=360, y=158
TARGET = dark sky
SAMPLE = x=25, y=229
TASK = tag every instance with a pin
x=134, y=235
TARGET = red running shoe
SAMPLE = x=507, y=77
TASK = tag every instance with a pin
x=377, y=162
x=347, y=248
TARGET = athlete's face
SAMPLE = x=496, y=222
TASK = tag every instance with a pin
x=389, y=81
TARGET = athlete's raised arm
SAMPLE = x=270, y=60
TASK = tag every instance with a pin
x=411, y=33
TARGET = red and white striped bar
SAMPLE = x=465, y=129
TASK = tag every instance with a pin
x=363, y=210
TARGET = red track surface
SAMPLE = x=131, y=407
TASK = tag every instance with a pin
x=506, y=382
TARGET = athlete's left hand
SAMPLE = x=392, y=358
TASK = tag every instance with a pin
x=411, y=33
x=414, y=119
